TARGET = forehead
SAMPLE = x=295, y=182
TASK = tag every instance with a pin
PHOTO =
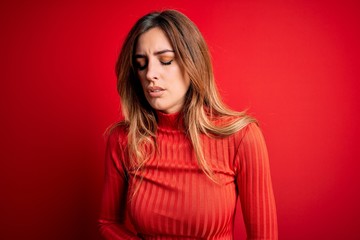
x=152, y=41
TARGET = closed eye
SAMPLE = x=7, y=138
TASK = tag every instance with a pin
x=141, y=63
x=167, y=63
x=141, y=67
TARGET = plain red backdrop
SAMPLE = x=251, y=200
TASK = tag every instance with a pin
x=294, y=64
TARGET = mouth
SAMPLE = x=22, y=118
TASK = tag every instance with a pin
x=155, y=91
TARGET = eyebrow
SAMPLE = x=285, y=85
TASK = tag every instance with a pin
x=155, y=53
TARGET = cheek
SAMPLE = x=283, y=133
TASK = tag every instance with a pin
x=181, y=89
x=185, y=83
x=142, y=81
x=182, y=82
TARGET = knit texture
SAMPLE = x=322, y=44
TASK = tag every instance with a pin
x=176, y=200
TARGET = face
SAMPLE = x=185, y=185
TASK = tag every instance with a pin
x=163, y=80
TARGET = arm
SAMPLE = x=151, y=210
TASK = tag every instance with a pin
x=255, y=187
x=112, y=214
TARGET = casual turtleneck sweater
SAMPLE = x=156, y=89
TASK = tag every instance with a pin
x=175, y=199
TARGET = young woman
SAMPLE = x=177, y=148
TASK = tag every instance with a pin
x=180, y=159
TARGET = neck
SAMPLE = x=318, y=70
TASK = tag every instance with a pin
x=170, y=121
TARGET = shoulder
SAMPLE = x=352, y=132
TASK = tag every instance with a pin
x=238, y=120
x=117, y=133
x=250, y=127
x=234, y=125
x=251, y=135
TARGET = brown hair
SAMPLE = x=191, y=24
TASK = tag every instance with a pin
x=202, y=101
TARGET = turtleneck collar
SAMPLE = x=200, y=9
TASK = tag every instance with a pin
x=170, y=121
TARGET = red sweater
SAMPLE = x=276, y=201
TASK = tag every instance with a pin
x=176, y=200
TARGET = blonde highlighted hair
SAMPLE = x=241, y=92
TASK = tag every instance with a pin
x=202, y=101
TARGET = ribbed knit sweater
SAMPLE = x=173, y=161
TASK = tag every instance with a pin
x=176, y=200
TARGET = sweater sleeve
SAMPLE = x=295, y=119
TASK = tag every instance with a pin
x=255, y=187
x=112, y=214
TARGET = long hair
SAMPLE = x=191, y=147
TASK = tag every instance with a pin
x=202, y=101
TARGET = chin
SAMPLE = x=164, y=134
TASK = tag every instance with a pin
x=158, y=108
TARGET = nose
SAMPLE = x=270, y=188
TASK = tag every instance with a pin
x=152, y=71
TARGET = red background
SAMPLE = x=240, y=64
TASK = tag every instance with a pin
x=294, y=64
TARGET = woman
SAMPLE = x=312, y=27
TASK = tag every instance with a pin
x=180, y=159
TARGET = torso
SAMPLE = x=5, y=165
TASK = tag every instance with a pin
x=175, y=198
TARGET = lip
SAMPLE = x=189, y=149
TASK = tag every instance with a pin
x=155, y=91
